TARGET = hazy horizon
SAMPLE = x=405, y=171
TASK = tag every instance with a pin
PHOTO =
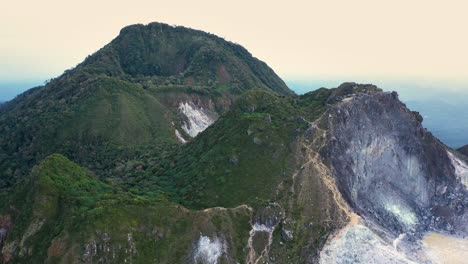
x=408, y=90
x=300, y=40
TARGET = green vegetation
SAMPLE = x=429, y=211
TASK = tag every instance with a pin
x=241, y=158
x=63, y=206
x=57, y=192
x=108, y=119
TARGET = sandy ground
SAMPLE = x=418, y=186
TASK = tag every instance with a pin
x=446, y=249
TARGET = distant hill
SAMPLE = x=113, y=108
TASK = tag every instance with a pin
x=442, y=117
x=464, y=150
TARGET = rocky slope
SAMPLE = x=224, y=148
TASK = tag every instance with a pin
x=383, y=158
x=396, y=176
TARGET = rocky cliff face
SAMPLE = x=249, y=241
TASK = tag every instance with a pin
x=389, y=166
x=394, y=174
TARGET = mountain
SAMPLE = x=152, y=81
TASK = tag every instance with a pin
x=153, y=86
x=95, y=169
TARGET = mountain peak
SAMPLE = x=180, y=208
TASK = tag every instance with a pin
x=176, y=55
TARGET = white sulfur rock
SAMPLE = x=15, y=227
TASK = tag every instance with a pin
x=461, y=169
x=208, y=250
x=179, y=137
x=261, y=228
x=403, y=213
x=198, y=119
x=398, y=240
x=358, y=244
x=444, y=248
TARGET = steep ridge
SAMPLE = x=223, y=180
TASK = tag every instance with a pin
x=150, y=89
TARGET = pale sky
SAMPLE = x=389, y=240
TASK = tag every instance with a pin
x=350, y=40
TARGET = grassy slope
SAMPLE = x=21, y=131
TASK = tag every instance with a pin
x=240, y=157
x=91, y=125
x=243, y=156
